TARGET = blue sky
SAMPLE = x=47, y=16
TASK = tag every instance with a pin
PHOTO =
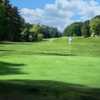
x=30, y=3
x=57, y=13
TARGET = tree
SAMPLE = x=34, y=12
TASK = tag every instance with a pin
x=50, y=32
x=95, y=26
x=14, y=22
x=26, y=32
x=2, y=20
x=11, y=23
x=37, y=32
x=85, y=29
x=32, y=33
x=46, y=31
x=74, y=29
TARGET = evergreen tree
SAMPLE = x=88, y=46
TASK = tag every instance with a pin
x=11, y=23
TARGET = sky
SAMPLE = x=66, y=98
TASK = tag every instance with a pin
x=57, y=13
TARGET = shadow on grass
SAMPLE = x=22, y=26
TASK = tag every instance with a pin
x=5, y=50
x=46, y=90
x=6, y=42
x=20, y=43
x=57, y=54
x=15, y=43
x=50, y=53
x=10, y=68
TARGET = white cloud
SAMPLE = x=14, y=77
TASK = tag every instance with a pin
x=89, y=9
x=62, y=12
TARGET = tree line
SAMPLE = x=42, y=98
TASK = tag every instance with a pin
x=14, y=28
x=85, y=29
x=37, y=32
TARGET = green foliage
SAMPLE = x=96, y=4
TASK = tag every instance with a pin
x=86, y=29
x=35, y=28
x=50, y=32
x=2, y=20
x=95, y=25
x=74, y=29
x=38, y=32
x=14, y=22
x=32, y=32
x=39, y=37
x=11, y=23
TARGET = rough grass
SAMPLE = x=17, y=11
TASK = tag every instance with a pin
x=51, y=69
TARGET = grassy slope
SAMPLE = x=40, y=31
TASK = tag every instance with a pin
x=50, y=70
x=53, y=60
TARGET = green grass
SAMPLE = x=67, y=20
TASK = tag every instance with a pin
x=52, y=60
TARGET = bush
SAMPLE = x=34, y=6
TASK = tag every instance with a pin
x=39, y=37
